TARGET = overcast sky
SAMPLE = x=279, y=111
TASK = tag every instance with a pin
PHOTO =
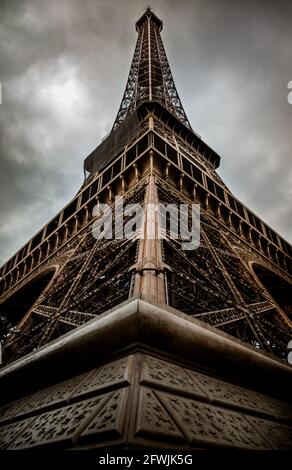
x=63, y=69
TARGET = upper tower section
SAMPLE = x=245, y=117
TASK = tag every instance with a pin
x=149, y=14
x=150, y=77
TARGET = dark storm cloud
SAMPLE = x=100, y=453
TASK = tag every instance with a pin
x=63, y=68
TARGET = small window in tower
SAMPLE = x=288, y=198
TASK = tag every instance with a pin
x=274, y=237
x=171, y=154
x=232, y=203
x=107, y=176
x=252, y=219
x=211, y=185
x=258, y=224
x=143, y=144
x=269, y=235
x=36, y=240
x=52, y=226
x=94, y=187
x=131, y=155
x=240, y=209
x=197, y=174
x=85, y=195
x=117, y=167
x=159, y=144
x=220, y=193
x=186, y=166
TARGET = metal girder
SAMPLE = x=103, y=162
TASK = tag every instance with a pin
x=213, y=285
x=150, y=77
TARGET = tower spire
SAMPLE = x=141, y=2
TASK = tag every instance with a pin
x=150, y=77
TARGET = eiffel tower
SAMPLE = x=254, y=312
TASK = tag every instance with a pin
x=115, y=340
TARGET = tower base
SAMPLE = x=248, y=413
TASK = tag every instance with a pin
x=146, y=376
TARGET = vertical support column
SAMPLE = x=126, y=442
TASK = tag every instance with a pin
x=48, y=246
x=166, y=173
x=66, y=233
x=24, y=267
x=218, y=211
x=40, y=255
x=123, y=184
x=137, y=176
x=57, y=240
x=76, y=224
x=86, y=216
x=277, y=255
x=195, y=194
x=240, y=228
x=149, y=60
x=250, y=240
x=149, y=281
x=181, y=182
x=151, y=123
x=230, y=224
x=206, y=202
x=260, y=248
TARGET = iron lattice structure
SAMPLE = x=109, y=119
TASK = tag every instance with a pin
x=64, y=277
x=150, y=77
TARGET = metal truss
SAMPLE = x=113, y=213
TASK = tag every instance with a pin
x=213, y=285
x=150, y=77
x=96, y=277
